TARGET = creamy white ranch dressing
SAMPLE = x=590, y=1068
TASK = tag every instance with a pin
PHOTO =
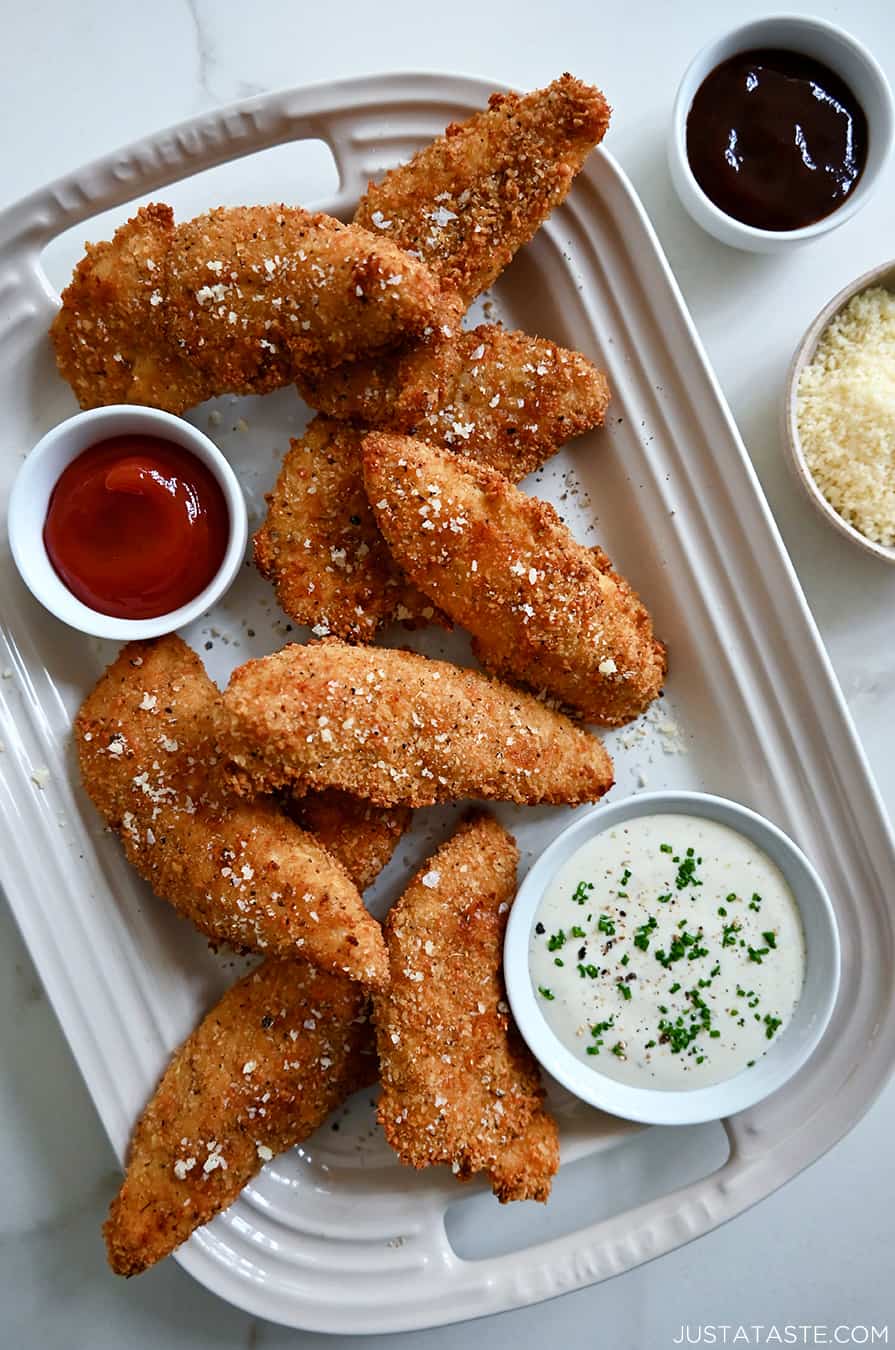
x=668, y=952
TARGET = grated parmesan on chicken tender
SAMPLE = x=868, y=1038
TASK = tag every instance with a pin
x=321, y=547
x=502, y=398
x=467, y=202
x=282, y=1048
x=459, y=1086
x=395, y=727
x=541, y=607
x=241, y=871
x=361, y=836
x=240, y=300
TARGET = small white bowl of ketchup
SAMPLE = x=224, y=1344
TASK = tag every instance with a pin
x=127, y=522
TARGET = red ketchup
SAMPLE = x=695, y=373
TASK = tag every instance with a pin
x=136, y=527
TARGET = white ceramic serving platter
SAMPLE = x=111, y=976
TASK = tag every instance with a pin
x=337, y=1236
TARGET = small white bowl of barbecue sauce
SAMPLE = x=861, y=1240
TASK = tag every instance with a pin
x=781, y=131
x=672, y=958
x=127, y=522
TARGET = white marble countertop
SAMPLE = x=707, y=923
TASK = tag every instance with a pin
x=78, y=80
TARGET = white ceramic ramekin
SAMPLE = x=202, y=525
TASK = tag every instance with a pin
x=836, y=49
x=884, y=276
x=790, y=1049
x=30, y=498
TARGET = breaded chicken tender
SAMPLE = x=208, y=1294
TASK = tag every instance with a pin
x=282, y=1048
x=468, y=202
x=240, y=870
x=395, y=727
x=240, y=300
x=541, y=607
x=505, y=399
x=321, y=547
x=361, y=836
x=110, y=336
x=526, y=1167
x=502, y=398
x=459, y=1086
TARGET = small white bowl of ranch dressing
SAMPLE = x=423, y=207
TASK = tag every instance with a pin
x=672, y=958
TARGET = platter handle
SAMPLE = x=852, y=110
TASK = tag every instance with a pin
x=339, y=114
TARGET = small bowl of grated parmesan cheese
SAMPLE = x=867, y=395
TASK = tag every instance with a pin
x=839, y=416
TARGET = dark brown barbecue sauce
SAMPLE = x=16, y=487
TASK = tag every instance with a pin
x=776, y=139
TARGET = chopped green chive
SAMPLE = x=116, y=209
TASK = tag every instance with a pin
x=642, y=934
x=597, y=1031
x=686, y=872
x=683, y=944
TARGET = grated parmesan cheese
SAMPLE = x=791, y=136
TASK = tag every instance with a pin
x=846, y=414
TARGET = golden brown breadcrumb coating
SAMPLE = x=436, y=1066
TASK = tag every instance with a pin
x=525, y=1169
x=240, y=300
x=393, y=726
x=539, y=606
x=282, y=1048
x=109, y=337
x=361, y=836
x=459, y=1086
x=502, y=398
x=321, y=547
x=240, y=870
x=467, y=202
